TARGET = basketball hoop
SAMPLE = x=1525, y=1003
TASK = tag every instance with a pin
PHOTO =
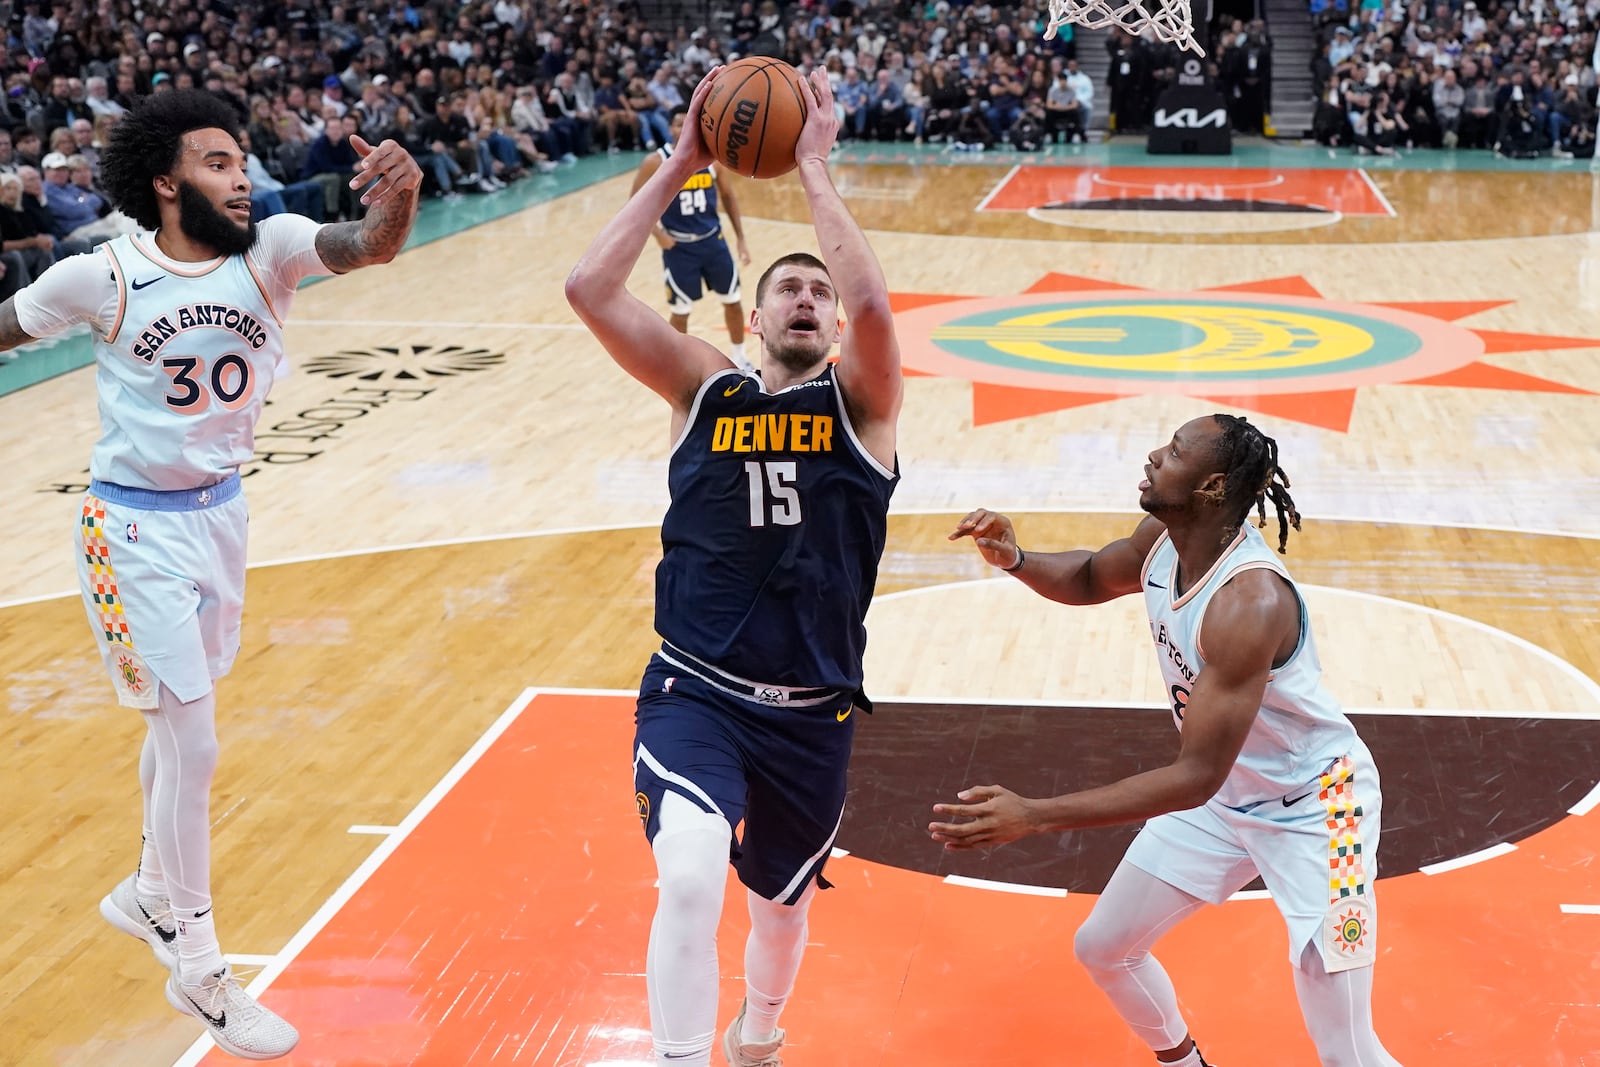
x=1169, y=19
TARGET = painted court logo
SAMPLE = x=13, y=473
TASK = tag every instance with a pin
x=406, y=363
x=1275, y=346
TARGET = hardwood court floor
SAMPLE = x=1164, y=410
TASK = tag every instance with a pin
x=452, y=396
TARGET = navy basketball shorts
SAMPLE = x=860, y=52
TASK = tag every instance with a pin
x=696, y=266
x=780, y=771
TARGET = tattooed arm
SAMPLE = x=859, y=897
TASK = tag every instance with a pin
x=392, y=207
x=11, y=331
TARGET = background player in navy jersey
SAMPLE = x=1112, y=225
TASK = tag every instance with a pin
x=780, y=492
x=186, y=317
x=1271, y=777
x=694, y=254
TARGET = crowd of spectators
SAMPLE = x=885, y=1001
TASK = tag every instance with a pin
x=1515, y=76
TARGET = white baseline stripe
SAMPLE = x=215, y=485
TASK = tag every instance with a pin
x=1004, y=887
x=1469, y=859
x=1580, y=909
x=359, y=876
x=983, y=204
x=381, y=831
x=1252, y=894
x=1384, y=200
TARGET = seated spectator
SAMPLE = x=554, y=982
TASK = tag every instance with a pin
x=447, y=132
x=330, y=162
x=269, y=196
x=1448, y=99
x=40, y=220
x=617, y=124
x=562, y=108
x=72, y=206
x=19, y=235
x=653, y=125
x=1063, y=115
x=885, y=108
x=434, y=157
x=1477, y=114
x=852, y=101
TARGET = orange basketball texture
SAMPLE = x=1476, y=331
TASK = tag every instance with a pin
x=753, y=115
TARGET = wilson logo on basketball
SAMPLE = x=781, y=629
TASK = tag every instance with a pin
x=744, y=117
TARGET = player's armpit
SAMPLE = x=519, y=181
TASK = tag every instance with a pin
x=11, y=332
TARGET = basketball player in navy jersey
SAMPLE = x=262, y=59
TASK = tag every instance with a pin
x=1271, y=778
x=694, y=254
x=780, y=492
x=186, y=317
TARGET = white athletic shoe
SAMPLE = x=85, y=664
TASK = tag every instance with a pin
x=741, y=1054
x=150, y=920
x=236, y=1021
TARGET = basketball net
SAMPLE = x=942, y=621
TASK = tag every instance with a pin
x=1169, y=19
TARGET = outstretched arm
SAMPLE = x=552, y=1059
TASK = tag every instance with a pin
x=1245, y=629
x=641, y=341
x=869, y=356
x=392, y=207
x=11, y=332
x=1076, y=577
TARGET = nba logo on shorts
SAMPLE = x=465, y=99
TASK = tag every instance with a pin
x=133, y=533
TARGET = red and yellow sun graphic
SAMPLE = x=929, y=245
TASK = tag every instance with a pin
x=1274, y=346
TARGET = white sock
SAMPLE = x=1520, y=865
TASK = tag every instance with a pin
x=199, y=954
x=736, y=353
x=761, y=1013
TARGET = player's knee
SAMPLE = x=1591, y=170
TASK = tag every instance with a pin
x=692, y=864
x=771, y=918
x=1099, y=947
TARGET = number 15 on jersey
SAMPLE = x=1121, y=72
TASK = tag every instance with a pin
x=773, y=496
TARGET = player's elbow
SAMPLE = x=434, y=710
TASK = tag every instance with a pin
x=582, y=288
x=1197, y=782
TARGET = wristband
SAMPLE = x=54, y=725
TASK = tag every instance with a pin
x=1017, y=566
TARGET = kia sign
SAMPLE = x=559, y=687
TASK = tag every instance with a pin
x=1191, y=120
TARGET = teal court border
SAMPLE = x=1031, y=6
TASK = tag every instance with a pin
x=437, y=220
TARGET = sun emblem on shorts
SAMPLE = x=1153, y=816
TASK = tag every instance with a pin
x=1350, y=932
x=129, y=669
x=642, y=802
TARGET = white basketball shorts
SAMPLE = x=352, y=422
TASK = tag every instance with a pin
x=162, y=576
x=1315, y=848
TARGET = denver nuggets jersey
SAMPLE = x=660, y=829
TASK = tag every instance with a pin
x=1300, y=728
x=692, y=215
x=185, y=353
x=772, y=541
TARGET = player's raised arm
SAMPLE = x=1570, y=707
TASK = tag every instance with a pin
x=641, y=341
x=391, y=201
x=869, y=364
x=1076, y=577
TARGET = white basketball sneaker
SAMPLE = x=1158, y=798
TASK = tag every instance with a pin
x=236, y=1021
x=148, y=919
x=741, y=1054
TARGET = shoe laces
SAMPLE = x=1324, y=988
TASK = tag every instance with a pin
x=224, y=990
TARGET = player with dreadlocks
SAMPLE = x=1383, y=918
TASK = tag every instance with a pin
x=1271, y=778
x=187, y=321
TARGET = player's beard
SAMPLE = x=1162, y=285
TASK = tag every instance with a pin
x=202, y=223
x=798, y=356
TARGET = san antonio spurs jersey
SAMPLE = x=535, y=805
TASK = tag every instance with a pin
x=185, y=353
x=1300, y=728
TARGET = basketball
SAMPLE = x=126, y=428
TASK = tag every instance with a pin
x=753, y=115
